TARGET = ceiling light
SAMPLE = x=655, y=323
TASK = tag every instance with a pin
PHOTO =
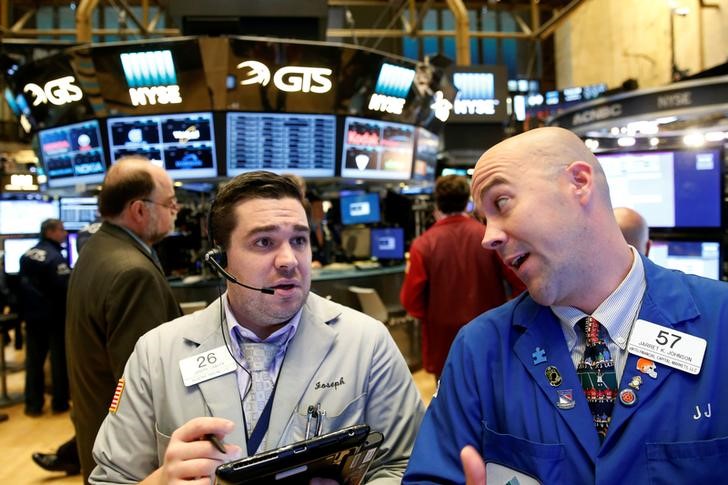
x=626, y=141
x=694, y=139
x=654, y=141
x=714, y=136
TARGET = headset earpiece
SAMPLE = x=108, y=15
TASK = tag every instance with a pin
x=220, y=256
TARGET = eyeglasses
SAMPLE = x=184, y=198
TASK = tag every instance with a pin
x=171, y=205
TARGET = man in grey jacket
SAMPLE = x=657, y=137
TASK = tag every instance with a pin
x=195, y=376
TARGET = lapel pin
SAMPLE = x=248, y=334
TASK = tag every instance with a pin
x=635, y=383
x=539, y=356
x=627, y=397
x=646, y=366
x=566, y=399
x=553, y=375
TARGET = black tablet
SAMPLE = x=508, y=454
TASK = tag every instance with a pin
x=343, y=455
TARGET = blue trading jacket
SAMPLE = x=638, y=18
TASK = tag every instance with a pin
x=494, y=397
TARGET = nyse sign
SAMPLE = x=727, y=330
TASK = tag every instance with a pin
x=155, y=95
x=291, y=79
x=58, y=91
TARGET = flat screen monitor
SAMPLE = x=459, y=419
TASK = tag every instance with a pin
x=360, y=208
x=72, y=154
x=299, y=144
x=388, y=243
x=428, y=144
x=24, y=213
x=356, y=242
x=692, y=257
x=375, y=149
x=671, y=189
x=13, y=249
x=184, y=144
x=78, y=212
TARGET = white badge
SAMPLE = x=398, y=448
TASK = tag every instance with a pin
x=206, y=365
x=667, y=346
x=502, y=475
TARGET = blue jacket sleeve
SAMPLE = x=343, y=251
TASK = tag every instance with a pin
x=453, y=420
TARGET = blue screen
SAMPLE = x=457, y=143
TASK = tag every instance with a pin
x=669, y=188
x=692, y=257
x=388, y=243
x=360, y=209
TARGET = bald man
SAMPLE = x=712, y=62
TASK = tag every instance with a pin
x=117, y=290
x=634, y=229
x=596, y=375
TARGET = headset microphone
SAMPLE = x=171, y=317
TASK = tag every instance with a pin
x=210, y=259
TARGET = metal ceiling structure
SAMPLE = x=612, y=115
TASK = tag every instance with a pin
x=536, y=19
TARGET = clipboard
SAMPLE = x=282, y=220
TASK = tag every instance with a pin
x=344, y=455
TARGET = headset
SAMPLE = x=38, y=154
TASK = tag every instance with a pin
x=216, y=259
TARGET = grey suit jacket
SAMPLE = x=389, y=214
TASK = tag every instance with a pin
x=333, y=343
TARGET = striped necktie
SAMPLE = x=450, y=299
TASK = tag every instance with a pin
x=597, y=376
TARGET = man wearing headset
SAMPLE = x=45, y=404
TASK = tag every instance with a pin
x=189, y=379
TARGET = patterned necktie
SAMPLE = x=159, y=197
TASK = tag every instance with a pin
x=259, y=357
x=597, y=376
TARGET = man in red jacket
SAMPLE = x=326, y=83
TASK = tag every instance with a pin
x=451, y=278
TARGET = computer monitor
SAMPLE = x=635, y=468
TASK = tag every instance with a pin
x=72, y=154
x=24, y=213
x=13, y=249
x=701, y=258
x=300, y=144
x=360, y=208
x=426, y=150
x=671, y=189
x=184, y=143
x=78, y=212
x=375, y=149
x=388, y=243
x=356, y=242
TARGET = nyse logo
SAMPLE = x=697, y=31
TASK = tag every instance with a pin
x=155, y=95
x=291, y=79
x=58, y=91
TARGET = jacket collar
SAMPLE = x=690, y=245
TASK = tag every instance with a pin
x=305, y=354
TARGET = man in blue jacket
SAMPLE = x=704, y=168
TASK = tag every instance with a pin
x=525, y=396
x=44, y=276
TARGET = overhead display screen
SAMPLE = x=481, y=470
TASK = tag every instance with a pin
x=300, y=144
x=72, y=154
x=671, y=189
x=24, y=213
x=183, y=144
x=78, y=212
x=376, y=149
x=13, y=250
x=425, y=162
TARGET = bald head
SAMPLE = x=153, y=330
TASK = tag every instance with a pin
x=129, y=179
x=634, y=228
x=545, y=198
x=544, y=150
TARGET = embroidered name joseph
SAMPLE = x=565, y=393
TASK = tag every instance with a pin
x=328, y=385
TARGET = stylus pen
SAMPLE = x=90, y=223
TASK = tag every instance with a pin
x=216, y=442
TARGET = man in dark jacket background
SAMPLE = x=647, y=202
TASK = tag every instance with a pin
x=44, y=276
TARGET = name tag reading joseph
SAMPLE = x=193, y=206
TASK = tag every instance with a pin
x=667, y=346
x=206, y=365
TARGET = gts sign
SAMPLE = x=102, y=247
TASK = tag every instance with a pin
x=58, y=91
x=292, y=79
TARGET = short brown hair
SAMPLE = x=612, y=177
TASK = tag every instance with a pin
x=250, y=185
x=452, y=193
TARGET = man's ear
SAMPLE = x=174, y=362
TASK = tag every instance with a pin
x=581, y=178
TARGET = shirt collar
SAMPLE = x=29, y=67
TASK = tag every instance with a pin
x=135, y=237
x=237, y=332
x=617, y=312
